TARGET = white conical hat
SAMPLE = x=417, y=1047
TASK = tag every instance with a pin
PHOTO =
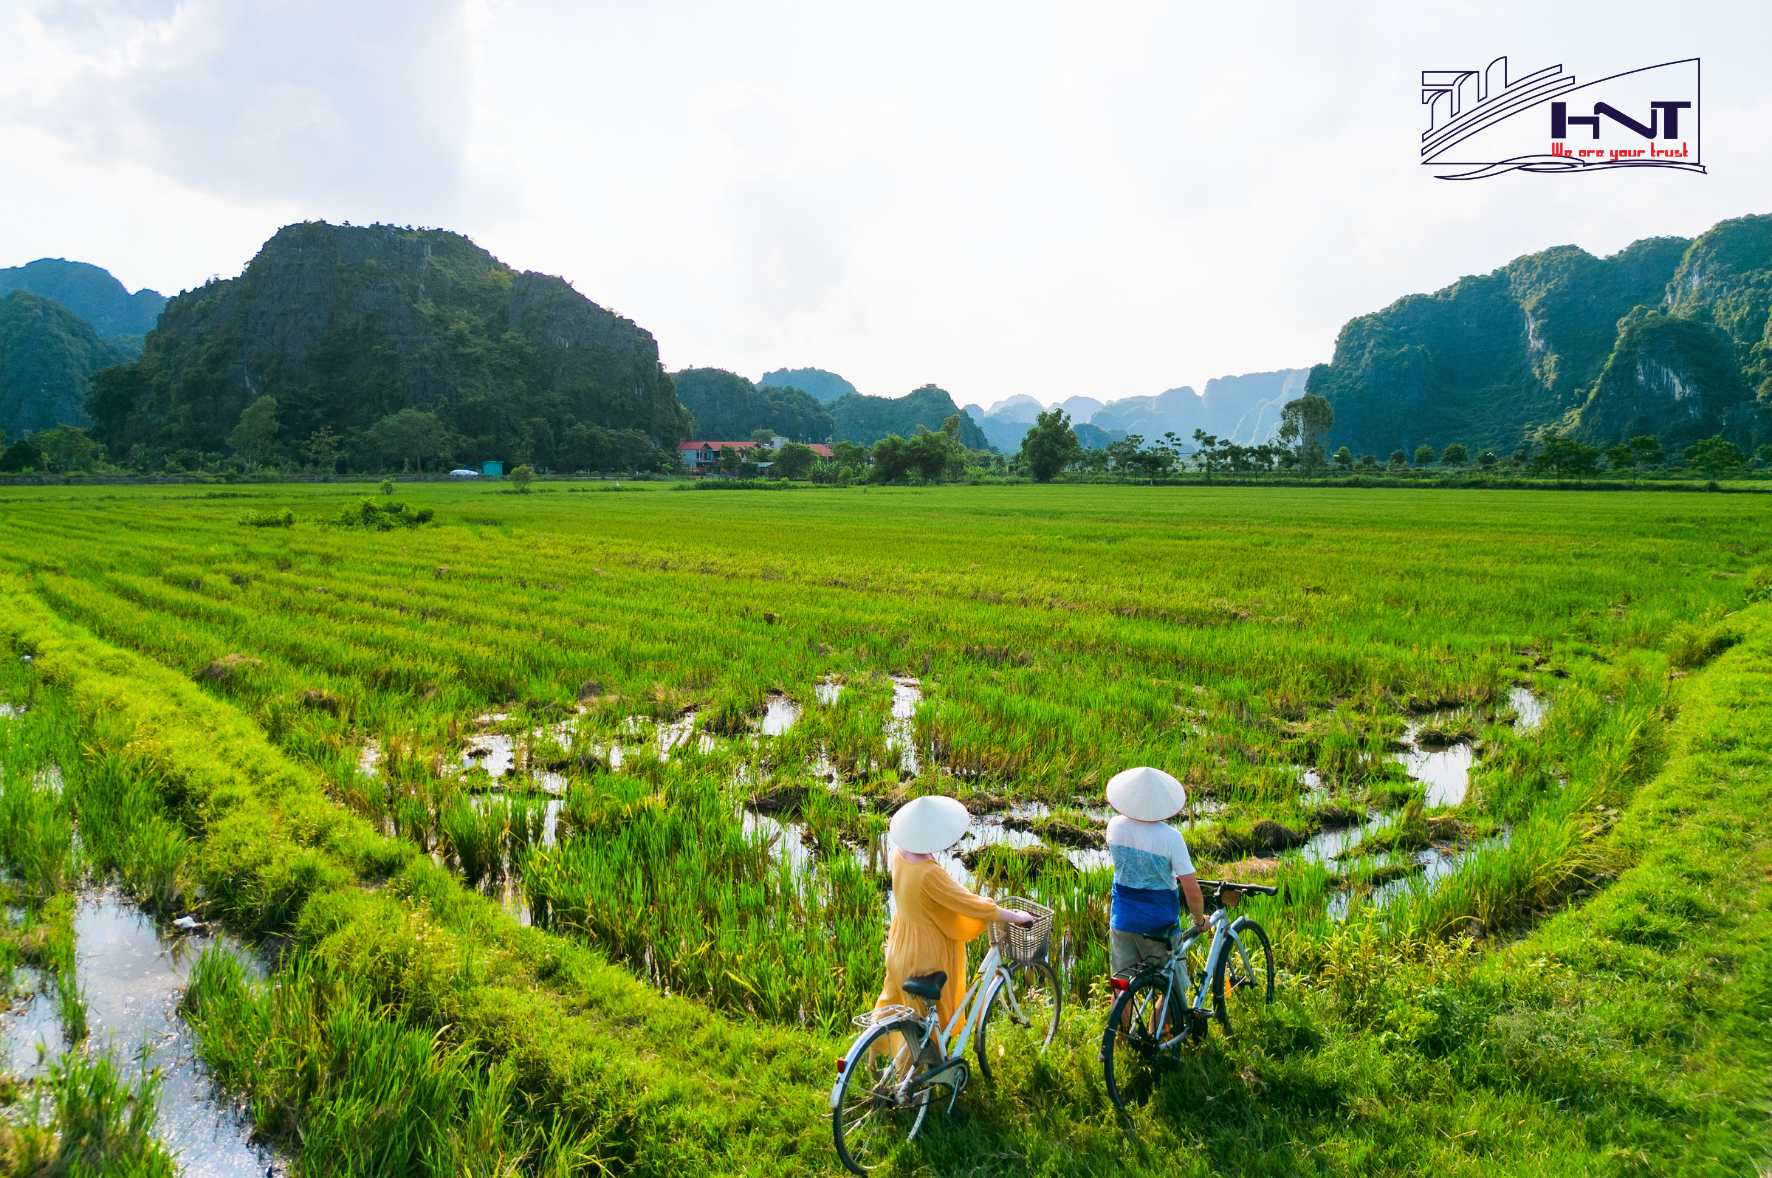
x=1149, y=795
x=929, y=824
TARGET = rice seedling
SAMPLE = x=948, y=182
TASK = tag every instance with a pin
x=1286, y=674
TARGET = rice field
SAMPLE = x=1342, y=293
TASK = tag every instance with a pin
x=668, y=730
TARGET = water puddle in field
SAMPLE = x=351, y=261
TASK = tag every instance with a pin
x=1529, y=706
x=1431, y=867
x=134, y=977
x=907, y=693
x=779, y=715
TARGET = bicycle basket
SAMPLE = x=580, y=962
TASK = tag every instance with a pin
x=1022, y=944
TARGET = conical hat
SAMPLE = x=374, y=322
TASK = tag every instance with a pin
x=929, y=824
x=1149, y=795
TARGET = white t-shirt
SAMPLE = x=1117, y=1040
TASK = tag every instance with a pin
x=1147, y=855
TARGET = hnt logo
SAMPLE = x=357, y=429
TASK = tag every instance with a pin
x=1489, y=124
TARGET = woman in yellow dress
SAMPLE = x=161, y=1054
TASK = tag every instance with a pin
x=934, y=916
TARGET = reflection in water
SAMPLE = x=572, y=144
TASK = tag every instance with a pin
x=1530, y=706
x=779, y=715
x=134, y=979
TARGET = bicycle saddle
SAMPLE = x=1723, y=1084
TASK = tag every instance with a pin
x=928, y=986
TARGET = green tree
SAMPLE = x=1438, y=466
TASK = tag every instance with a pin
x=1123, y=452
x=1051, y=445
x=1648, y=448
x=1713, y=455
x=1764, y=453
x=1487, y=460
x=1398, y=460
x=1304, y=427
x=1344, y=459
x=1424, y=455
x=932, y=452
x=21, y=455
x=794, y=460
x=522, y=477
x=1621, y=457
x=255, y=435
x=1207, y=452
x=763, y=437
x=1567, y=457
x=849, y=454
x=387, y=486
x=1369, y=462
x=1520, y=457
x=412, y=435
x=731, y=458
x=892, y=458
x=66, y=447
x=1456, y=455
x=322, y=450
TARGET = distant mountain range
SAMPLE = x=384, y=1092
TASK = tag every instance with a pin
x=826, y=386
x=60, y=322
x=1669, y=336
x=47, y=357
x=93, y=294
x=348, y=326
x=1242, y=409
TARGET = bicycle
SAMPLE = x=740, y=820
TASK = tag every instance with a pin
x=1162, y=1005
x=903, y=1063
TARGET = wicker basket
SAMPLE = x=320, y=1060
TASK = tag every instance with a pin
x=1022, y=944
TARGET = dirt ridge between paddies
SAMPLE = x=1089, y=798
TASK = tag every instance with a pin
x=662, y=1084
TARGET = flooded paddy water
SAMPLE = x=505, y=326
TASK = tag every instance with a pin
x=132, y=975
x=1437, y=751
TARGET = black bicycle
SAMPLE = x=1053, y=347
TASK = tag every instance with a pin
x=1164, y=1003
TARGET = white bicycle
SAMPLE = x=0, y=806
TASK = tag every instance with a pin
x=903, y=1063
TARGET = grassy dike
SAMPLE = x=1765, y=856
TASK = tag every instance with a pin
x=1627, y=1034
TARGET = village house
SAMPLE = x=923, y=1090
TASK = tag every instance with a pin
x=706, y=455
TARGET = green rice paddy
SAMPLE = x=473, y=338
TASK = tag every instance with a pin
x=570, y=805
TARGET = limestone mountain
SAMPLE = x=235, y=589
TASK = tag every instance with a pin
x=347, y=326
x=728, y=408
x=1668, y=337
x=47, y=357
x=826, y=386
x=92, y=293
x=865, y=420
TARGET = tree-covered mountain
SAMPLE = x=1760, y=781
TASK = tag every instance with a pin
x=47, y=356
x=1665, y=337
x=826, y=386
x=91, y=293
x=728, y=408
x=402, y=345
x=865, y=420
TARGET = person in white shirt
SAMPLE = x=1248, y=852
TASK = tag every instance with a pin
x=1152, y=868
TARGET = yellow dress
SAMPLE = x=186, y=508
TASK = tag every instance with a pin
x=934, y=919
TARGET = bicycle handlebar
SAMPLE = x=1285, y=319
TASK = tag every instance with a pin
x=1237, y=886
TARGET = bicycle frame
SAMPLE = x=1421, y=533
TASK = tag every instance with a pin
x=965, y=1020
x=1223, y=937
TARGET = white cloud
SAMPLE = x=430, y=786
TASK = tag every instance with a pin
x=1042, y=198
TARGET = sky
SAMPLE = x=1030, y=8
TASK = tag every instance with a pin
x=1051, y=199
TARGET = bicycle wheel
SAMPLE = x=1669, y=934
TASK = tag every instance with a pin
x=1246, y=969
x=880, y=1104
x=1144, y=1030
x=1025, y=1024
